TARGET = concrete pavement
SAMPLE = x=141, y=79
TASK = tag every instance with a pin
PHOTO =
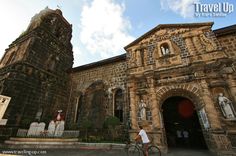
x=95, y=152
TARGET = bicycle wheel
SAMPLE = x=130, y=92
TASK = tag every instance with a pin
x=154, y=151
x=133, y=151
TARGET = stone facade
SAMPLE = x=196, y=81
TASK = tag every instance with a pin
x=188, y=61
x=184, y=60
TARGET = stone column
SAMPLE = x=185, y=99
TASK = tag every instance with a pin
x=212, y=114
x=232, y=86
x=190, y=45
x=145, y=57
x=133, y=109
x=155, y=109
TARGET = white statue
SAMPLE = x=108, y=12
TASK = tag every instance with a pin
x=142, y=107
x=51, y=128
x=59, y=124
x=226, y=106
x=163, y=50
x=59, y=128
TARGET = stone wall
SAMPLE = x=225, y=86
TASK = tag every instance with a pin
x=111, y=73
x=227, y=39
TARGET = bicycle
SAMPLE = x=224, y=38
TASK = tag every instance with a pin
x=136, y=150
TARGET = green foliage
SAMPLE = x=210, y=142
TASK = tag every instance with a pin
x=112, y=122
x=25, y=123
x=86, y=124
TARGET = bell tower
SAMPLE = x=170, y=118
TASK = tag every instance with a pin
x=33, y=70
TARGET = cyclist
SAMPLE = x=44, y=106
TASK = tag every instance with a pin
x=145, y=141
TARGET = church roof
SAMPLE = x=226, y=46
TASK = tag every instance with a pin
x=225, y=30
x=118, y=58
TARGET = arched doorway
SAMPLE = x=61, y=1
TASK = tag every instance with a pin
x=93, y=105
x=181, y=122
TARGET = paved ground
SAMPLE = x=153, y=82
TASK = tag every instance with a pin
x=98, y=152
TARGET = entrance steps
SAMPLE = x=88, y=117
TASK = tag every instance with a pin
x=227, y=153
x=45, y=143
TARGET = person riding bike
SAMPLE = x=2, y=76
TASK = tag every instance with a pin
x=145, y=141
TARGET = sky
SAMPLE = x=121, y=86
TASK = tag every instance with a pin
x=102, y=28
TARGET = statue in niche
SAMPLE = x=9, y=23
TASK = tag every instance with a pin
x=142, y=107
x=165, y=49
x=226, y=106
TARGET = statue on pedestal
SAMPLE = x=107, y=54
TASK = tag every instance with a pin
x=142, y=107
x=56, y=126
x=226, y=106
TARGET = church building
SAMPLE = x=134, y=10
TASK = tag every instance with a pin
x=174, y=80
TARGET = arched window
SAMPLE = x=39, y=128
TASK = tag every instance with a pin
x=165, y=49
x=119, y=104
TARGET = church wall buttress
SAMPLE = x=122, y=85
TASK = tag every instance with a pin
x=133, y=108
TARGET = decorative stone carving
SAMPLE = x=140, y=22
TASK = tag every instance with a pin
x=226, y=107
x=209, y=44
x=161, y=32
x=132, y=61
x=196, y=41
x=204, y=118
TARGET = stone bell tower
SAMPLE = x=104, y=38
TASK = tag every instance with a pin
x=33, y=70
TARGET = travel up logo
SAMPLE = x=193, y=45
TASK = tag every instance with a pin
x=220, y=9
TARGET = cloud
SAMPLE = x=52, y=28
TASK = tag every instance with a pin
x=103, y=28
x=15, y=17
x=183, y=7
x=14, y=23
